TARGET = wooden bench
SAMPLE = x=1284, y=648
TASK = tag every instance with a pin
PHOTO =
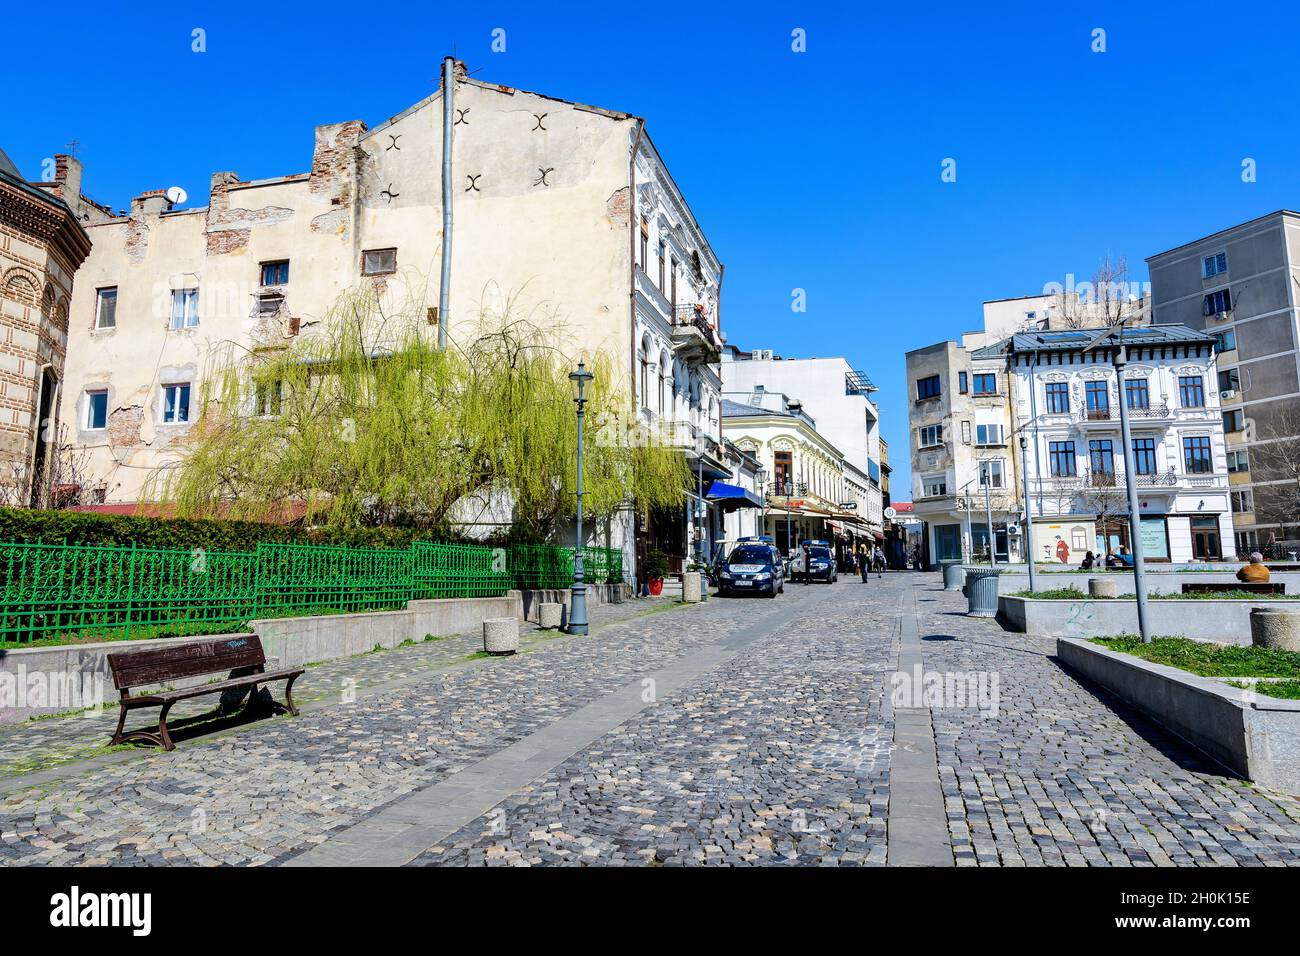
x=1253, y=587
x=242, y=656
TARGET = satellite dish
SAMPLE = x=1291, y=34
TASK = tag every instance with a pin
x=176, y=195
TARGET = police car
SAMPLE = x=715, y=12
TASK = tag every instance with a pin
x=814, y=561
x=753, y=567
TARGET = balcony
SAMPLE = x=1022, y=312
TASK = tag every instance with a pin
x=1109, y=417
x=693, y=337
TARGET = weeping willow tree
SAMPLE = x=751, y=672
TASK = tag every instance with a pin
x=366, y=421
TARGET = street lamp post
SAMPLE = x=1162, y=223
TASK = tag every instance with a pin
x=701, y=511
x=1029, y=519
x=578, y=600
x=1134, y=516
x=988, y=516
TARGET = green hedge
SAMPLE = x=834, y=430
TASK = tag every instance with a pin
x=84, y=527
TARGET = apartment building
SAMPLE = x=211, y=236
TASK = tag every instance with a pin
x=1241, y=286
x=565, y=215
x=963, y=466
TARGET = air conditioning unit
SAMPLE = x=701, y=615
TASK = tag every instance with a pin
x=1227, y=394
x=761, y=355
x=1223, y=316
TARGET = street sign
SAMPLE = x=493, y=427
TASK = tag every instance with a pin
x=891, y=513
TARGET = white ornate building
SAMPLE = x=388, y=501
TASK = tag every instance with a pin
x=1066, y=400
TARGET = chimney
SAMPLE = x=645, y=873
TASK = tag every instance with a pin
x=67, y=176
x=150, y=203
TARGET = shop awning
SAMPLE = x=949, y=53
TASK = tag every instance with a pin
x=733, y=496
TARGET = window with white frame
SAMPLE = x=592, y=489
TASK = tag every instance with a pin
x=1238, y=461
x=1242, y=502
x=992, y=473
x=96, y=410
x=176, y=403
x=1214, y=265
x=988, y=435
x=185, y=308
x=931, y=435
x=935, y=486
x=106, y=308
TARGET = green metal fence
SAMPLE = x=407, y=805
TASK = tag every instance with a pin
x=69, y=593
x=545, y=566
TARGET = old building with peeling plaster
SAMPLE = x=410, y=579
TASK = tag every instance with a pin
x=564, y=213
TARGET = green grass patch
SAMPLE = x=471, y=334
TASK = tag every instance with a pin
x=1054, y=594
x=1207, y=660
x=1285, y=689
x=1217, y=596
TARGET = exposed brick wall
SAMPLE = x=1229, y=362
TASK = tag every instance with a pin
x=124, y=426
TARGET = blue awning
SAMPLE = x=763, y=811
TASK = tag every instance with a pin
x=733, y=496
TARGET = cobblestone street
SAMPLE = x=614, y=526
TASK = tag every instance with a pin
x=733, y=732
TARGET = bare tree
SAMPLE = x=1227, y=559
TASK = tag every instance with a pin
x=1275, y=458
x=1109, y=299
x=65, y=483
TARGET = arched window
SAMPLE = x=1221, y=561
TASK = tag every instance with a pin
x=644, y=356
x=665, y=382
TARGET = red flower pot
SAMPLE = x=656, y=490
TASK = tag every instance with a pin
x=656, y=586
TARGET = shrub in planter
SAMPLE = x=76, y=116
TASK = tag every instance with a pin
x=656, y=566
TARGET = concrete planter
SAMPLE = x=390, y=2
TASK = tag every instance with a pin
x=1255, y=736
x=549, y=616
x=1160, y=580
x=1275, y=628
x=691, y=588
x=1102, y=588
x=501, y=635
x=1225, y=622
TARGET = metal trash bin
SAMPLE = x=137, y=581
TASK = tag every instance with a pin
x=982, y=591
x=953, y=573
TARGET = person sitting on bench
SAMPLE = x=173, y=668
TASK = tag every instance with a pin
x=1254, y=572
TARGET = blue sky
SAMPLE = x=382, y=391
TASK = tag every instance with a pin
x=817, y=170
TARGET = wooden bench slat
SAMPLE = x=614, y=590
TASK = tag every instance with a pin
x=184, y=693
x=157, y=665
x=1252, y=587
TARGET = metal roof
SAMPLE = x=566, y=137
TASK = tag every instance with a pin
x=1075, y=340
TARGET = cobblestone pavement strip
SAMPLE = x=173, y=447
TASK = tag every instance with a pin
x=284, y=783
x=779, y=754
x=1065, y=774
x=36, y=745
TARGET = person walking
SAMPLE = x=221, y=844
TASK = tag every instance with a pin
x=864, y=564
x=807, y=563
x=878, y=559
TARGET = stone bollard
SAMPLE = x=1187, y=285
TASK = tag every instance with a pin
x=1275, y=628
x=691, y=587
x=549, y=615
x=1101, y=587
x=501, y=635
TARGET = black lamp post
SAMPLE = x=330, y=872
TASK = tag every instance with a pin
x=578, y=600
